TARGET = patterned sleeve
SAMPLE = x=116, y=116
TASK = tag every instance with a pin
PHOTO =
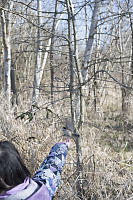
x=50, y=170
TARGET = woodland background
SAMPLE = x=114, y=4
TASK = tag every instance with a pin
x=70, y=63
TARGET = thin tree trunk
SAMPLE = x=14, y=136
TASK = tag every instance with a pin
x=48, y=48
x=93, y=28
x=38, y=56
x=88, y=51
x=123, y=90
x=86, y=22
x=39, y=71
x=6, y=18
x=13, y=85
x=52, y=50
x=131, y=27
x=74, y=53
x=79, y=94
x=71, y=59
x=94, y=90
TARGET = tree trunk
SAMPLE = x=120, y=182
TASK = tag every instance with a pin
x=38, y=56
x=6, y=18
x=13, y=86
x=41, y=63
x=88, y=51
x=86, y=22
x=79, y=106
x=71, y=63
x=52, y=50
x=93, y=29
x=74, y=54
x=131, y=27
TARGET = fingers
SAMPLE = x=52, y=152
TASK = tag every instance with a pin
x=68, y=142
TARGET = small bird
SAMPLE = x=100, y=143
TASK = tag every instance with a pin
x=65, y=132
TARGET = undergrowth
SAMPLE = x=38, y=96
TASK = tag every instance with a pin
x=107, y=150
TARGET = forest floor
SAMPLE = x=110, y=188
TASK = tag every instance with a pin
x=107, y=150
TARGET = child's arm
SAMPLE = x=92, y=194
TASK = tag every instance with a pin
x=50, y=171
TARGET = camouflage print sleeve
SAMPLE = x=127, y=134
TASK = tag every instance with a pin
x=50, y=170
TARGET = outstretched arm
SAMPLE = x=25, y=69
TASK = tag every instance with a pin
x=50, y=170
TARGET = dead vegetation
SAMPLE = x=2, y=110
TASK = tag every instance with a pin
x=107, y=146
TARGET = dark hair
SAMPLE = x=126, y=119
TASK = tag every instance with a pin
x=12, y=168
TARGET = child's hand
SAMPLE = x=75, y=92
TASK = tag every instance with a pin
x=68, y=142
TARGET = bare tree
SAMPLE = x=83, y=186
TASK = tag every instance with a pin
x=39, y=54
x=92, y=32
x=86, y=22
x=6, y=20
x=131, y=27
x=52, y=49
x=73, y=56
x=41, y=60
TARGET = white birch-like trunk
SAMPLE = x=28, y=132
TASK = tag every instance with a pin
x=47, y=51
x=38, y=56
x=92, y=32
x=87, y=53
x=40, y=62
x=6, y=18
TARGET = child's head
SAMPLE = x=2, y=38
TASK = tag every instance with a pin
x=12, y=168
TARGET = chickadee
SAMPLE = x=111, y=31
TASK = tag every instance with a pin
x=65, y=132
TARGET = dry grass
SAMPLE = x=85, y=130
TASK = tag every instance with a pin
x=107, y=153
